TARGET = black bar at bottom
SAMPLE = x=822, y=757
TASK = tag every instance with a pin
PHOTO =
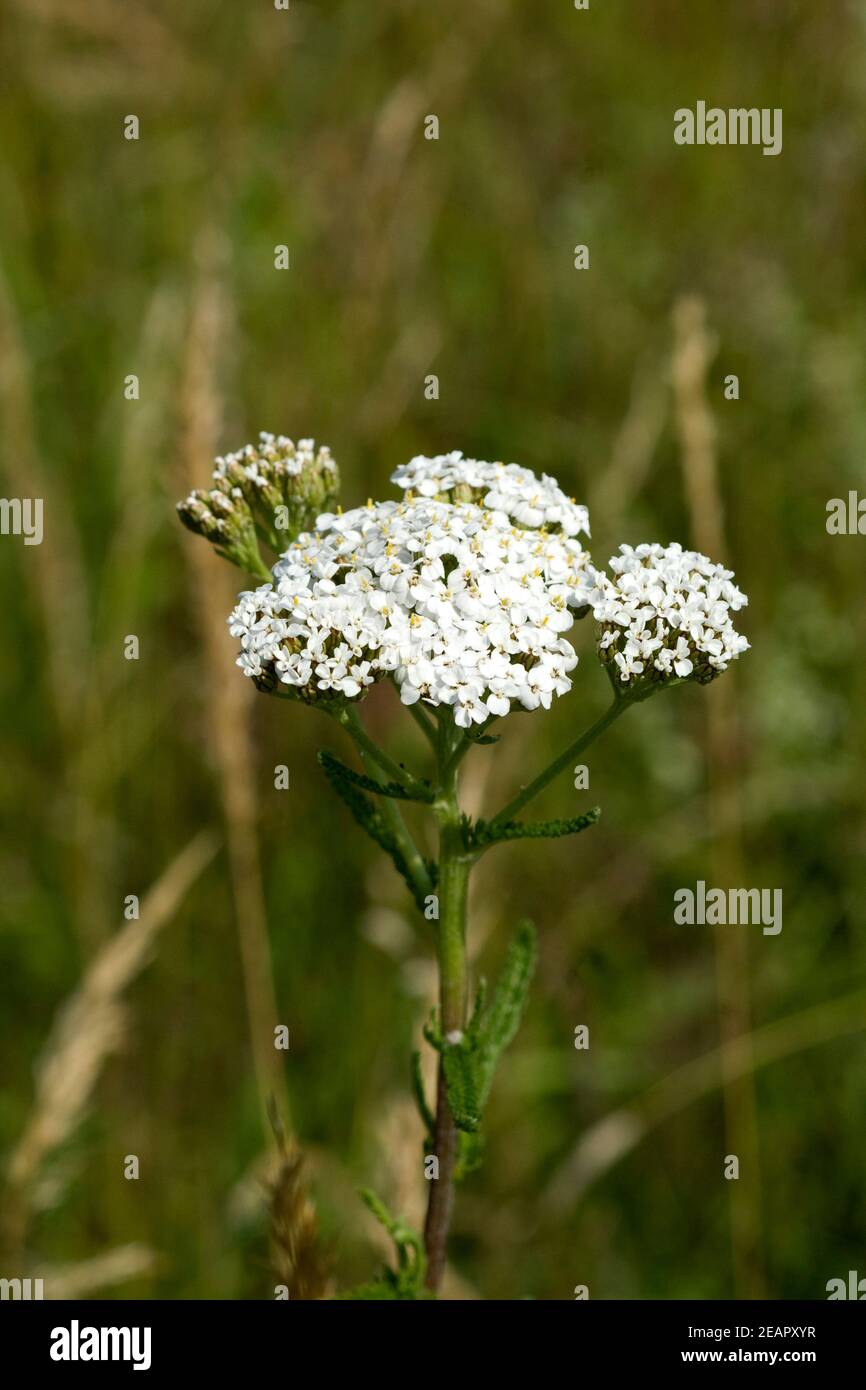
x=71, y=1339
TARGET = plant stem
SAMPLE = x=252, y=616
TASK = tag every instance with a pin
x=454, y=867
x=348, y=717
x=462, y=744
x=425, y=724
x=540, y=782
x=390, y=811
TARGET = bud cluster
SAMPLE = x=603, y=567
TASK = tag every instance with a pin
x=267, y=492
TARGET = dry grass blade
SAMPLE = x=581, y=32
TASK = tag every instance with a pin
x=90, y=1025
x=134, y=31
x=229, y=699
x=614, y=488
x=694, y=349
x=57, y=582
x=608, y=1141
x=86, y=1277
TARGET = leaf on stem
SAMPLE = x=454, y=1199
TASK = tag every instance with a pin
x=461, y=1080
x=469, y=1062
x=485, y=833
x=335, y=769
x=470, y=1154
x=500, y=1022
x=406, y=1280
x=371, y=820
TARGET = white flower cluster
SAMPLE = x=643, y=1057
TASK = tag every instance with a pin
x=666, y=614
x=453, y=601
x=506, y=487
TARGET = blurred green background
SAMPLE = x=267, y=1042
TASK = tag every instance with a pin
x=409, y=257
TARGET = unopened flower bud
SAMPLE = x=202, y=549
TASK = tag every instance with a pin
x=272, y=490
x=197, y=516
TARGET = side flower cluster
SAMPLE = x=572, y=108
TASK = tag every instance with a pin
x=270, y=491
x=454, y=602
x=666, y=614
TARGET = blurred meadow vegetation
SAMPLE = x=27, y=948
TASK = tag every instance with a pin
x=156, y=777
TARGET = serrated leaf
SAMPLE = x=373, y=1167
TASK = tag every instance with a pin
x=408, y=1277
x=370, y=819
x=469, y=1065
x=461, y=1081
x=336, y=770
x=477, y=1009
x=501, y=1021
x=485, y=833
x=470, y=1154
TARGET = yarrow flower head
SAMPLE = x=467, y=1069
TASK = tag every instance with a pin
x=452, y=601
x=272, y=490
x=461, y=593
x=528, y=500
x=665, y=615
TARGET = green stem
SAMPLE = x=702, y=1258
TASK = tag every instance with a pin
x=370, y=757
x=425, y=724
x=540, y=782
x=458, y=752
x=252, y=564
x=463, y=743
x=454, y=867
x=348, y=717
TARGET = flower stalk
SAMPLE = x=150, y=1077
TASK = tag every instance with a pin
x=565, y=757
x=454, y=869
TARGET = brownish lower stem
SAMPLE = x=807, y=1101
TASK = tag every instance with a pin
x=452, y=886
x=441, y=1199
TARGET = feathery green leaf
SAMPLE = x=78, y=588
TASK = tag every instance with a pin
x=461, y=1080
x=407, y=1280
x=421, y=1099
x=336, y=770
x=485, y=833
x=470, y=1154
x=469, y=1064
x=501, y=1021
x=370, y=819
